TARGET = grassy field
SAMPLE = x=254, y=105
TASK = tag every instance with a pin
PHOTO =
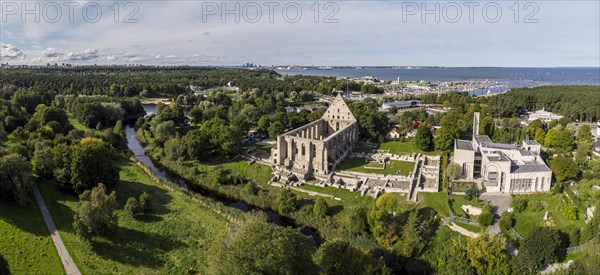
x=173, y=237
x=358, y=165
x=438, y=201
x=25, y=241
x=459, y=201
x=470, y=227
x=348, y=197
x=526, y=221
x=398, y=147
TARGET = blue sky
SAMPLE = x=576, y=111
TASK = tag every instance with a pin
x=567, y=33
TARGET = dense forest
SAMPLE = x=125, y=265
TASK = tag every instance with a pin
x=578, y=103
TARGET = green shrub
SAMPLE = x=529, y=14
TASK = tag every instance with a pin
x=471, y=193
x=574, y=237
x=133, y=207
x=506, y=221
x=519, y=204
x=536, y=206
x=320, y=208
x=145, y=202
x=485, y=218
x=569, y=211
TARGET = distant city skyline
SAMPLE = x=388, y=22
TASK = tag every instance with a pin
x=347, y=33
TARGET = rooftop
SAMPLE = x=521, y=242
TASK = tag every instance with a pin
x=464, y=145
x=529, y=168
x=531, y=142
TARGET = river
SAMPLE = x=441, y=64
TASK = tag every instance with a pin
x=138, y=151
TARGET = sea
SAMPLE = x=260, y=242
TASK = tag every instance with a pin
x=510, y=77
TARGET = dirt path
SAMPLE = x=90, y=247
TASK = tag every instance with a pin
x=462, y=231
x=65, y=258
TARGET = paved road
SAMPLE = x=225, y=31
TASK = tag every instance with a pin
x=65, y=258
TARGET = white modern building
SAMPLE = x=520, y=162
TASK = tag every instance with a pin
x=503, y=168
x=543, y=115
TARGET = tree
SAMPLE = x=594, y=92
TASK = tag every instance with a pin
x=519, y=204
x=15, y=178
x=424, y=138
x=287, y=202
x=92, y=163
x=320, y=208
x=174, y=149
x=95, y=213
x=145, y=202
x=133, y=207
x=164, y=131
x=540, y=135
x=559, y=138
x=355, y=220
x=339, y=257
x=471, y=193
x=258, y=247
x=486, y=127
x=453, y=171
x=588, y=263
x=411, y=242
x=564, y=168
x=584, y=136
x=276, y=128
x=537, y=250
x=486, y=217
x=506, y=221
x=381, y=219
x=488, y=253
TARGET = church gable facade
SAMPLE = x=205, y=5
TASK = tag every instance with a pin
x=315, y=149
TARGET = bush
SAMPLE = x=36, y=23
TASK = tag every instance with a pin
x=558, y=188
x=145, y=202
x=574, y=237
x=506, y=221
x=133, y=207
x=320, y=208
x=569, y=211
x=485, y=218
x=95, y=213
x=471, y=193
x=519, y=204
x=536, y=206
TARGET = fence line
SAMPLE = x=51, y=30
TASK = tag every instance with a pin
x=453, y=218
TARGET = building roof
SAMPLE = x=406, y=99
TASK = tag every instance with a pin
x=464, y=145
x=529, y=168
x=531, y=142
x=596, y=146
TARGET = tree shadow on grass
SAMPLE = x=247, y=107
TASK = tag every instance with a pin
x=28, y=217
x=334, y=210
x=159, y=198
x=135, y=247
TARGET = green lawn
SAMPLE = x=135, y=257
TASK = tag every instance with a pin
x=459, y=200
x=525, y=222
x=438, y=201
x=402, y=148
x=470, y=227
x=358, y=165
x=173, y=237
x=25, y=241
x=348, y=197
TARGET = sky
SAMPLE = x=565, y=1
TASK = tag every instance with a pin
x=336, y=33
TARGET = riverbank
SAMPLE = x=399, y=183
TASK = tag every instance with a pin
x=172, y=237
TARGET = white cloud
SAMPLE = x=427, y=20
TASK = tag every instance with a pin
x=10, y=52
